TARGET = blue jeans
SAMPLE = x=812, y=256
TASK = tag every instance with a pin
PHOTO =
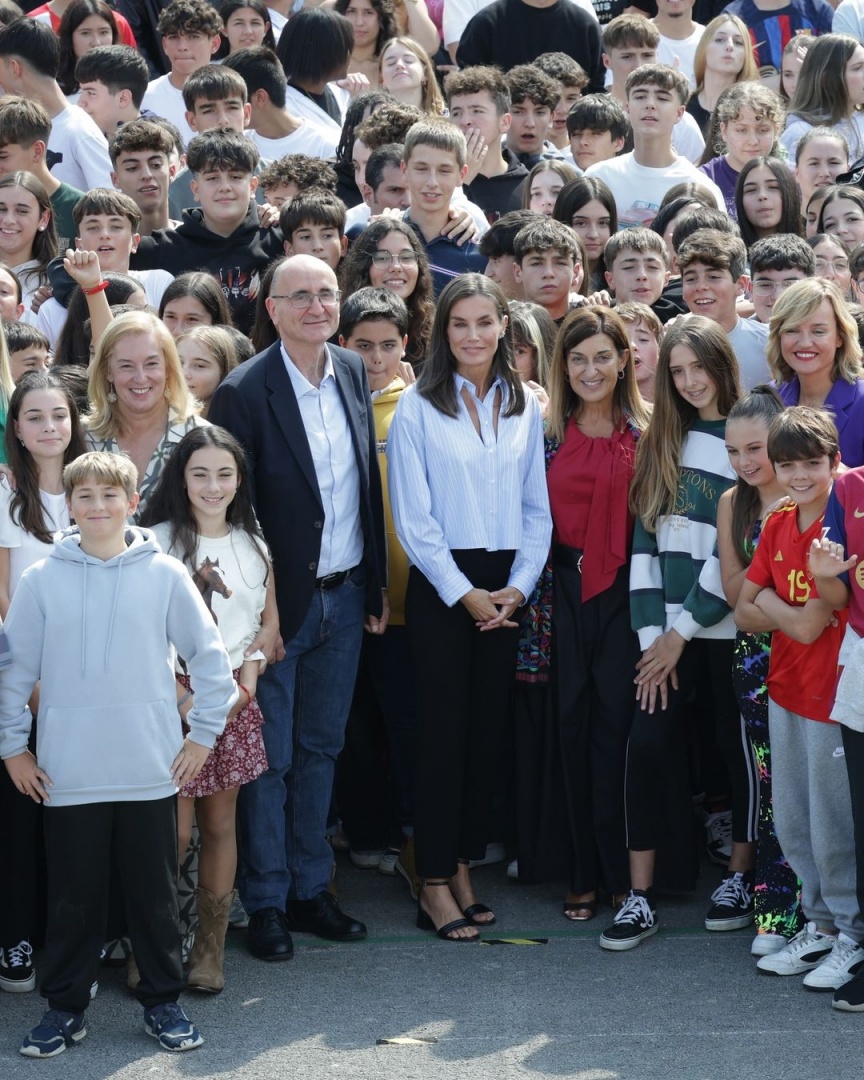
x=305, y=698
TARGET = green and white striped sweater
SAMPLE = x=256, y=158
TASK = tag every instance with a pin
x=668, y=589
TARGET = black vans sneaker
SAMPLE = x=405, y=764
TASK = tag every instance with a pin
x=732, y=903
x=636, y=919
x=17, y=975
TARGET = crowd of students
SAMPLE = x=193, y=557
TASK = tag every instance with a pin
x=525, y=335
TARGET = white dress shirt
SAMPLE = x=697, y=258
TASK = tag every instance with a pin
x=452, y=489
x=332, y=449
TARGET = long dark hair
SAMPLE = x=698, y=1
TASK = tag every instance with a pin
x=26, y=507
x=73, y=16
x=205, y=289
x=264, y=332
x=762, y=403
x=790, y=199
x=658, y=459
x=169, y=501
x=386, y=12
x=227, y=9
x=73, y=344
x=355, y=114
x=354, y=275
x=571, y=198
x=435, y=382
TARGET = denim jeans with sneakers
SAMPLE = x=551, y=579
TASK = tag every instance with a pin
x=305, y=698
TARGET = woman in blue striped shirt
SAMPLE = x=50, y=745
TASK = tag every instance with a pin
x=468, y=489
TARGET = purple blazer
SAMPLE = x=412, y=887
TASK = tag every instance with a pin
x=846, y=401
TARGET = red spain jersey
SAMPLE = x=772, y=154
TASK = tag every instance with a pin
x=844, y=516
x=801, y=678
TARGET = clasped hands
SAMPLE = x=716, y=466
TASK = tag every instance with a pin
x=492, y=610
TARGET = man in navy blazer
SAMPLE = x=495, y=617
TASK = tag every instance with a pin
x=303, y=413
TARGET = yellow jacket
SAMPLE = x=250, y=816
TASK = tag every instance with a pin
x=383, y=407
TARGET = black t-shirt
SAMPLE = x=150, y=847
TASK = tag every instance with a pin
x=509, y=32
x=496, y=195
x=607, y=10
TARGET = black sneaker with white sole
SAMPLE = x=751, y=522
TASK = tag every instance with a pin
x=636, y=919
x=17, y=975
x=850, y=998
x=731, y=903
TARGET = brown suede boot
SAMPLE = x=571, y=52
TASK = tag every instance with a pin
x=205, y=964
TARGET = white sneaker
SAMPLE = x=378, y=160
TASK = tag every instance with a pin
x=495, y=853
x=839, y=967
x=766, y=944
x=513, y=870
x=718, y=837
x=387, y=862
x=366, y=859
x=804, y=952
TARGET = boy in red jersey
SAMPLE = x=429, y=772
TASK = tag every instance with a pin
x=841, y=583
x=812, y=808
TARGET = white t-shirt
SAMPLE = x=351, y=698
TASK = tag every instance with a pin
x=300, y=105
x=165, y=100
x=24, y=548
x=31, y=279
x=684, y=50
x=83, y=148
x=639, y=190
x=235, y=592
x=748, y=341
x=687, y=139
x=277, y=22
x=51, y=317
x=849, y=19
x=310, y=139
x=852, y=130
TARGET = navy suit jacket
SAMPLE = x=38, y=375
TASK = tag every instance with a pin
x=257, y=404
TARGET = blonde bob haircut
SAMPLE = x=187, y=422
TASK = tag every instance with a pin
x=105, y=421
x=798, y=303
x=564, y=403
x=748, y=72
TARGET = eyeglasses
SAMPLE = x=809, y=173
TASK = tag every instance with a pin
x=771, y=288
x=407, y=257
x=841, y=265
x=300, y=301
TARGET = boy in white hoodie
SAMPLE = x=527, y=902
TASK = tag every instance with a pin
x=94, y=624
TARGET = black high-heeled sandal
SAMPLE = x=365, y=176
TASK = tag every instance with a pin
x=475, y=909
x=424, y=919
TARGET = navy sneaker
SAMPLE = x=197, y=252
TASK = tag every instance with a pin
x=55, y=1031
x=172, y=1027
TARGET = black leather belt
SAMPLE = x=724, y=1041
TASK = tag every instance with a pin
x=333, y=581
x=571, y=558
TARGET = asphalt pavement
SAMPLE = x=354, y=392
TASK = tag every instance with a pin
x=685, y=1005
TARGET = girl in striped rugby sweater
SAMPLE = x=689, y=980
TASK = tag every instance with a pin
x=684, y=624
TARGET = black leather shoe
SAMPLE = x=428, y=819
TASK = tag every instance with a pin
x=324, y=918
x=268, y=937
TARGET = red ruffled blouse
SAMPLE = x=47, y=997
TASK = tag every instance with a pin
x=589, y=485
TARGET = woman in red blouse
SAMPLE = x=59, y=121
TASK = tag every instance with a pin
x=596, y=415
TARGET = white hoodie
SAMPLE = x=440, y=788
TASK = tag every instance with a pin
x=98, y=634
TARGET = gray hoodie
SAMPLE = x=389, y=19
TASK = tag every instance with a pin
x=97, y=633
